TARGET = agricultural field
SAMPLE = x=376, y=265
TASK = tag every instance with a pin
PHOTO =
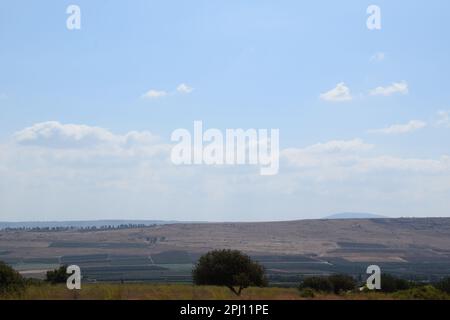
x=416, y=249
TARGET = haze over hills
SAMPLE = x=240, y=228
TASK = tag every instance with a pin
x=116, y=223
x=355, y=215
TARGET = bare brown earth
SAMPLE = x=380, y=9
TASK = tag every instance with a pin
x=361, y=240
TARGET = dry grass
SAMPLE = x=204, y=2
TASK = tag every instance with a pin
x=172, y=292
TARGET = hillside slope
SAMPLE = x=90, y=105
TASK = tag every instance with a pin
x=407, y=246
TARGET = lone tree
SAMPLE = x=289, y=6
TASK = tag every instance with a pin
x=58, y=275
x=229, y=268
x=10, y=280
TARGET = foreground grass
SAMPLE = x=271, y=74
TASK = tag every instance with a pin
x=189, y=292
x=149, y=292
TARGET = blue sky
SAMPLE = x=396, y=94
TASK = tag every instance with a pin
x=250, y=64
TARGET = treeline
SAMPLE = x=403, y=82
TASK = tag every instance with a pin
x=80, y=228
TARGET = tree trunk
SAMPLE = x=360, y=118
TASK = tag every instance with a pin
x=238, y=293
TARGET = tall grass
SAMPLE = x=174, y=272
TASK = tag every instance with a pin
x=129, y=291
x=108, y=291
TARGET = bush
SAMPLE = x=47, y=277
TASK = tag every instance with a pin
x=229, y=268
x=336, y=283
x=390, y=283
x=421, y=293
x=57, y=276
x=342, y=283
x=444, y=285
x=322, y=284
x=10, y=280
x=307, y=293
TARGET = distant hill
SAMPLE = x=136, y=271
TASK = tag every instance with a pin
x=80, y=224
x=354, y=215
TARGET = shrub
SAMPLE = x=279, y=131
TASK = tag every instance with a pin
x=229, y=268
x=10, y=280
x=336, y=283
x=444, y=285
x=307, y=293
x=57, y=276
x=421, y=293
x=322, y=284
x=390, y=283
x=342, y=283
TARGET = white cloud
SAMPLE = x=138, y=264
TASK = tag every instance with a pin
x=378, y=57
x=349, y=159
x=404, y=164
x=154, y=94
x=326, y=154
x=53, y=134
x=68, y=171
x=340, y=93
x=411, y=126
x=443, y=119
x=340, y=146
x=396, y=87
x=184, y=88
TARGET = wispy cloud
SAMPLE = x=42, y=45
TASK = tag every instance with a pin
x=53, y=134
x=443, y=118
x=353, y=161
x=339, y=94
x=378, y=57
x=184, y=88
x=396, y=87
x=411, y=126
x=334, y=146
x=154, y=94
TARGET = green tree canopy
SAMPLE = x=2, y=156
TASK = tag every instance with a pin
x=336, y=283
x=390, y=283
x=342, y=283
x=10, y=280
x=229, y=268
x=322, y=284
x=58, y=275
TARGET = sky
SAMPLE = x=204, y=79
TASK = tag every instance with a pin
x=86, y=115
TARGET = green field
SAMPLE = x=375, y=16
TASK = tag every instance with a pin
x=176, y=267
x=413, y=249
